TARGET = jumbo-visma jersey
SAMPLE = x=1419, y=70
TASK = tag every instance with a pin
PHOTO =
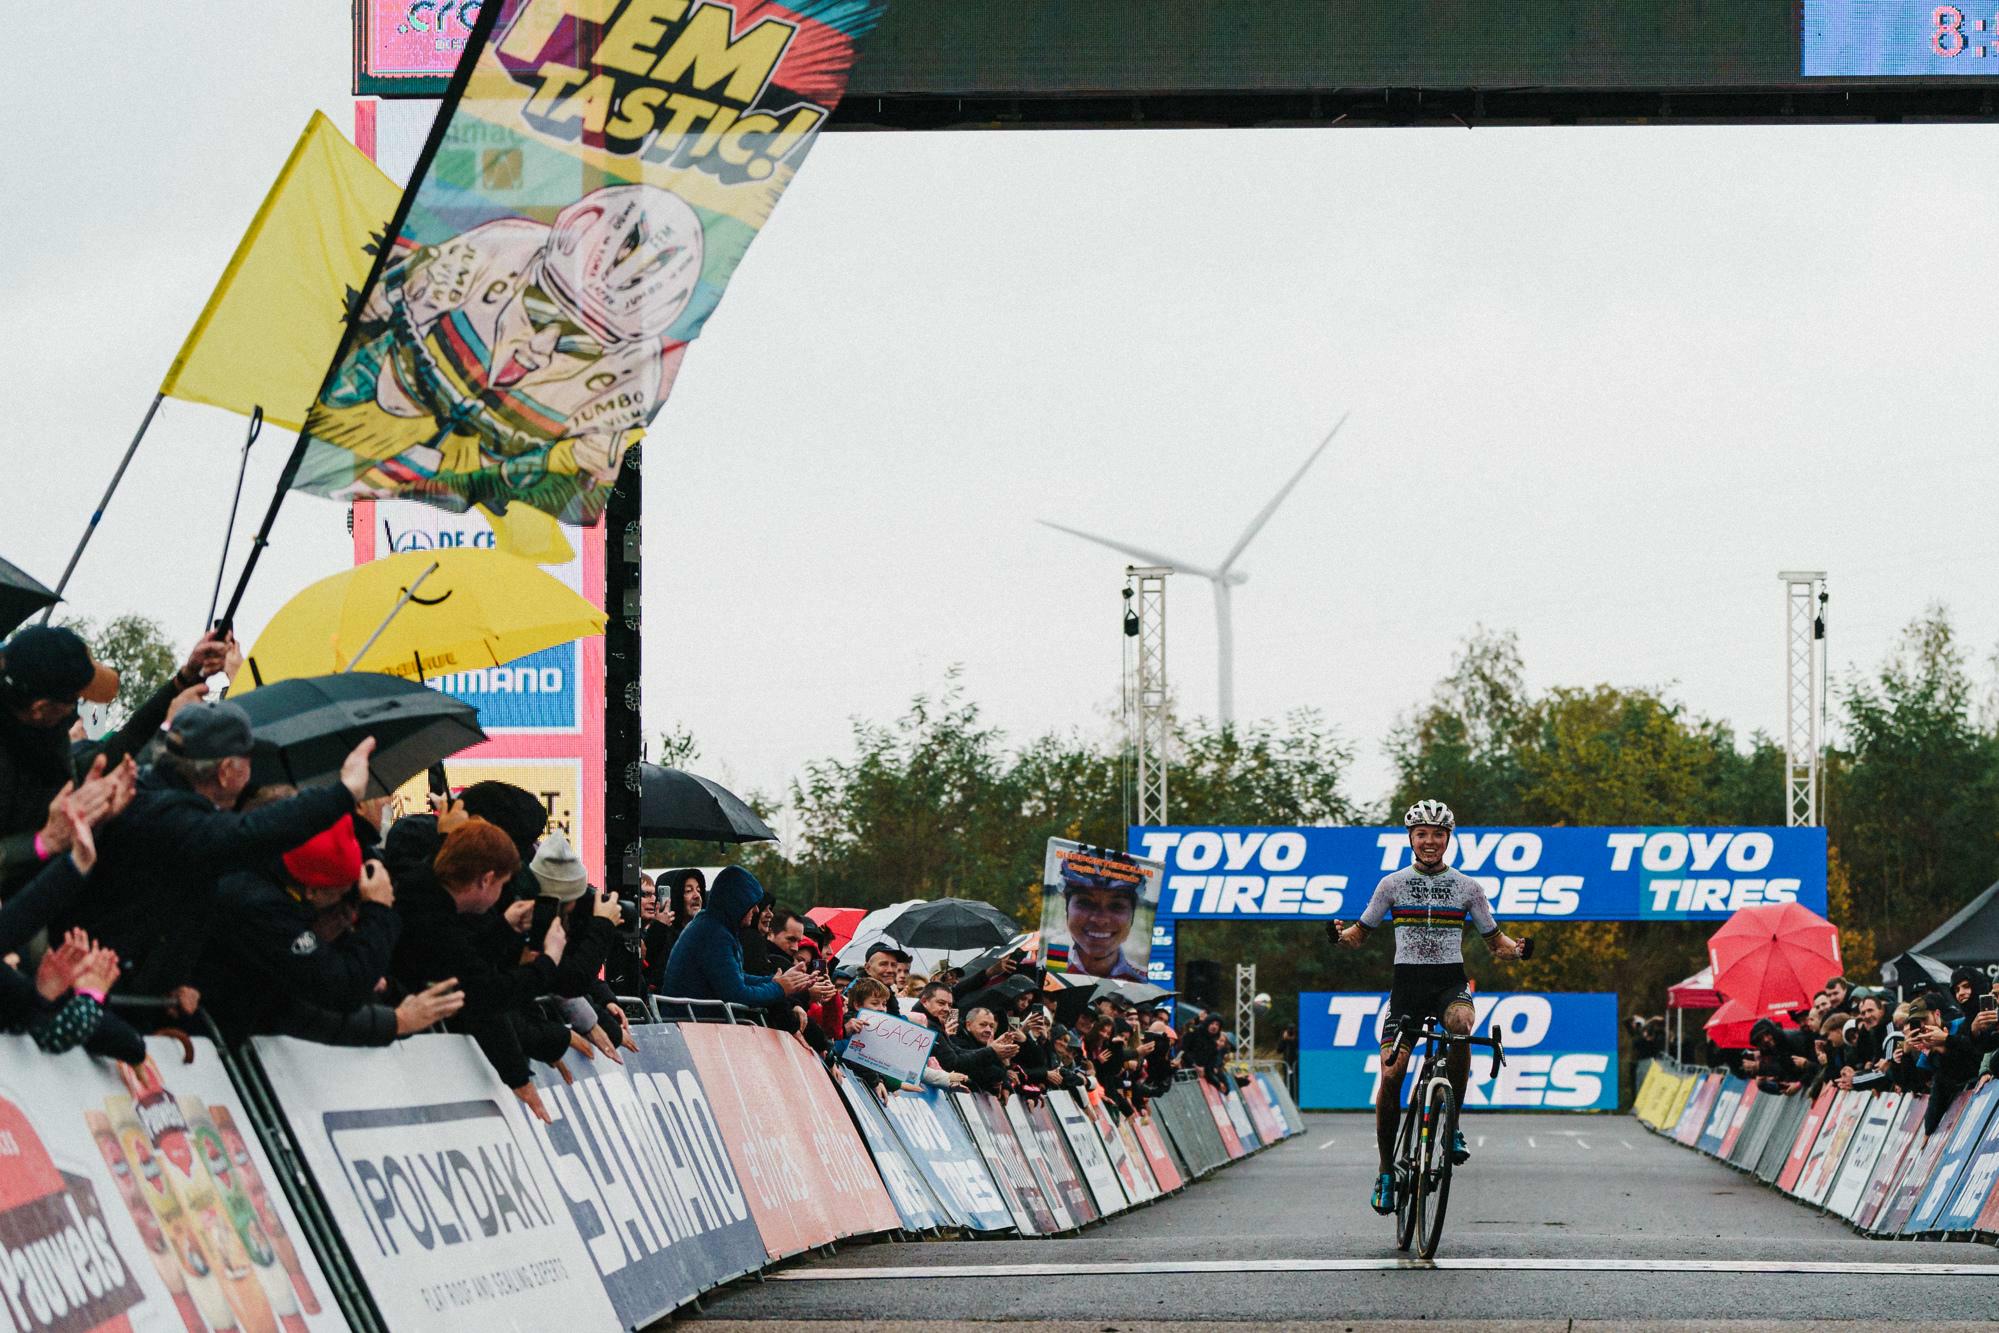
x=1429, y=913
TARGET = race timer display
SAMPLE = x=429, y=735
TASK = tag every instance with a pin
x=1890, y=38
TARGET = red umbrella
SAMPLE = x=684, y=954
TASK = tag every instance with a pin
x=1729, y=1027
x=842, y=921
x=1774, y=958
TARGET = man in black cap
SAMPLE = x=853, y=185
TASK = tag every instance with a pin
x=887, y=963
x=46, y=671
x=158, y=863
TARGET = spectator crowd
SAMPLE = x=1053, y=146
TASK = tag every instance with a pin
x=148, y=860
x=1942, y=1040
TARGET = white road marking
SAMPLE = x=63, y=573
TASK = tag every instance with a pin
x=1627, y=1143
x=1327, y=1144
x=1481, y=1140
x=1168, y=1267
x=1531, y=1143
x=1583, y=1144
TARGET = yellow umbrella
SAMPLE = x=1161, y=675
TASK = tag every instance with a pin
x=461, y=609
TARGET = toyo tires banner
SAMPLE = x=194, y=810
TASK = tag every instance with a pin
x=1564, y=874
x=1561, y=1051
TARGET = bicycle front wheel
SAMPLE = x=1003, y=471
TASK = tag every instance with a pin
x=1440, y=1120
x=1408, y=1169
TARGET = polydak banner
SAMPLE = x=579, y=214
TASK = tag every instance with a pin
x=1567, y=874
x=1561, y=1050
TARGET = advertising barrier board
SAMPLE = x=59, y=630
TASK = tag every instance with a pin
x=1806, y=1139
x=1726, y=1102
x=1218, y=1109
x=1877, y=1120
x=641, y=1164
x=1561, y=1050
x=1127, y=1157
x=1092, y=1156
x=1040, y=1139
x=804, y=1170
x=1280, y=1097
x=934, y=1135
x=1967, y=1208
x=914, y=1203
x=438, y=1186
x=1894, y=1155
x=1965, y=1136
x=1165, y=1171
x=1830, y=1151
x=1917, y=1172
x=1184, y=1119
x=1783, y=1132
x=1694, y=1116
x=1245, y=1128
x=1036, y=1210
x=1745, y=1106
x=141, y=1199
x=1269, y=1126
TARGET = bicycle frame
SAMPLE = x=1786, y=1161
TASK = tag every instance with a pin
x=1419, y=1188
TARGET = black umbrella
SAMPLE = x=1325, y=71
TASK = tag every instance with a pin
x=974, y=966
x=305, y=728
x=676, y=804
x=20, y=597
x=951, y=923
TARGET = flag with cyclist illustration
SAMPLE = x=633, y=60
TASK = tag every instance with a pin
x=595, y=175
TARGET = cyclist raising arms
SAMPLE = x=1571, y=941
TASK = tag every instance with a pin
x=1428, y=903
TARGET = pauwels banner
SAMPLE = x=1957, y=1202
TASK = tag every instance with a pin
x=595, y=175
x=1561, y=1050
x=136, y=1198
x=437, y=1184
x=641, y=1165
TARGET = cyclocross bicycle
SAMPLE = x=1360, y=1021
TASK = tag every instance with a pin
x=1423, y=1148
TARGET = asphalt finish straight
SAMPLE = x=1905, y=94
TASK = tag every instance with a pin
x=1556, y=1217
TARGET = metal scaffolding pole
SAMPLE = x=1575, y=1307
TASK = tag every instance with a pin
x=1245, y=1011
x=1804, y=692
x=1152, y=725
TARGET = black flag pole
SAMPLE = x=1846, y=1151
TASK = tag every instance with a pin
x=475, y=46
x=229, y=532
x=104, y=502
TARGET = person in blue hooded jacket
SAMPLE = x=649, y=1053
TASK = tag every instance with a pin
x=707, y=959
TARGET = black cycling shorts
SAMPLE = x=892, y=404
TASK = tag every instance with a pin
x=1420, y=991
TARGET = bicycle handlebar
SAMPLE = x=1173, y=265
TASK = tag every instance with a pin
x=1431, y=1032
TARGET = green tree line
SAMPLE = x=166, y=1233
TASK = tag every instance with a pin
x=941, y=802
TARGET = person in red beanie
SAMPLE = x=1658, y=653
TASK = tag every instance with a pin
x=265, y=968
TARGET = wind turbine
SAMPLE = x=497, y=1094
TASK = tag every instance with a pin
x=1223, y=577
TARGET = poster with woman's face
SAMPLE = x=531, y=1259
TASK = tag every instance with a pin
x=1096, y=910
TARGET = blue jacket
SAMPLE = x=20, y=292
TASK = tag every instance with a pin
x=707, y=959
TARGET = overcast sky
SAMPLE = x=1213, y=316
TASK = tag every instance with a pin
x=1605, y=383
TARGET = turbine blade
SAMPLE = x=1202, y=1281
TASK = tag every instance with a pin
x=1138, y=553
x=1263, y=517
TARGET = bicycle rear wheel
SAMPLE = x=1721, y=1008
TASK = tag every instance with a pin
x=1440, y=1119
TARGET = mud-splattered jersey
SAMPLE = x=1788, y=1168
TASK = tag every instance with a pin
x=1429, y=913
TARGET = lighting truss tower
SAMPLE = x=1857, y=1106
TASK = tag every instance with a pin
x=1151, y=723
x=1804, y=692
x=1245, y=1011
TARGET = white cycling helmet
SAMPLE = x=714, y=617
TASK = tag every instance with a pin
x=624, y=259
x=1429, y=812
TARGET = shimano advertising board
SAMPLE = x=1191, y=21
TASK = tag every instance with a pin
x=1561, y=1051
x=1561, y=874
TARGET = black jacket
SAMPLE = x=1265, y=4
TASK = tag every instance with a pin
x=266, y=970
x=35, y=762
x=152, y=894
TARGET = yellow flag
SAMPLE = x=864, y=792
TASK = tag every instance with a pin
x=527, y=532
x=274, y=320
